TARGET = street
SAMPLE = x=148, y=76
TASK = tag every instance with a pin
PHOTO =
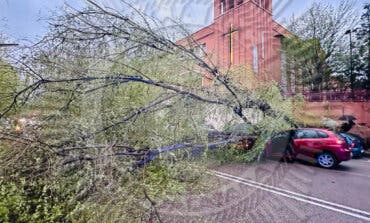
x=273, y=191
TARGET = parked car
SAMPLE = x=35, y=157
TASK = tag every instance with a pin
x=354, y=143
x=325, y=146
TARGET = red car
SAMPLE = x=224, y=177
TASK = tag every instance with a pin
x=325, y=146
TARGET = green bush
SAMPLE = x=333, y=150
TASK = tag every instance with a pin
x=227, y=155
x=32, y=202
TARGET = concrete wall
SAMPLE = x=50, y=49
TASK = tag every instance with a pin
x=361, y=110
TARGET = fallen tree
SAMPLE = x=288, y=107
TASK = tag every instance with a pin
x=111, y=92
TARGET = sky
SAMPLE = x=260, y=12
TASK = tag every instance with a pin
x=27, y=19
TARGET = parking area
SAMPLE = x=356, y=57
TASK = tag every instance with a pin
x=274, y=191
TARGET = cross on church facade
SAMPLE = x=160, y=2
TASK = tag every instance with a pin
x=230, y=33
x=257, y=46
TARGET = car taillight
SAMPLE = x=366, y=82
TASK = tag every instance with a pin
x=349, y=149
x=340, y=141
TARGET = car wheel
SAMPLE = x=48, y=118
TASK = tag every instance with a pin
x=327, y=160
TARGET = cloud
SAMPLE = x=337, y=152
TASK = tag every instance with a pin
x=22, y=16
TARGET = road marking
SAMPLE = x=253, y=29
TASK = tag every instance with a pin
x=294, y=193
x=357, y=213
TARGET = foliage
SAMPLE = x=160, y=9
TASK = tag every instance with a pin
x=28, y=192
x=9, y=84
x=61, y=196
x=306, y=55
x=353, y=61
x=317, y=52
x=159, y=181
x=227, y=155
x=362, y=57
x=108, y=91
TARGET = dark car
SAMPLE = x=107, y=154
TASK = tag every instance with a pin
x=355, y=144
x=326, y=147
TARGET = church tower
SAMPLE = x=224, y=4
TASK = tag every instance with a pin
x=244, y=33
x=222, y=6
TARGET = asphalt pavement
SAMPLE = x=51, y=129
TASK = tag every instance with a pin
x=273, y=191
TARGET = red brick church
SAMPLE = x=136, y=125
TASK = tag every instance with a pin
x=244, y=33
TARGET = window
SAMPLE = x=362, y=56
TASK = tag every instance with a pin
x=307, y=134
x=299, y=135
x=266, y=4
x=321, y=134
x=203, y=46
x=231, y=4
x=263, y=45
x=263, y=3
x=281, y=135
x=222, y=7
x=284, y=79
x=255, y=59
x=200, y=50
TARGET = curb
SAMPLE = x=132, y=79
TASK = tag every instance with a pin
x=367, y=153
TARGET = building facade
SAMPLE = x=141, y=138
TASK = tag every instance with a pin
x=244, y=33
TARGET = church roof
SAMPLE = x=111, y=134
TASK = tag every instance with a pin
x=280, y=30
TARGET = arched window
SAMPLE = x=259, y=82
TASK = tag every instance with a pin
x=255, y=59
x=263, y=3
x=222, y=6
x=231, y=4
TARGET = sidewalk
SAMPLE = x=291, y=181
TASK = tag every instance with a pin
x=367, y=153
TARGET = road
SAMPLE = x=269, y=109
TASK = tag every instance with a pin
x=273, y=191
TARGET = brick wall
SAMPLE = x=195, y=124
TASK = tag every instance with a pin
x=361, y=110
x=255, y=27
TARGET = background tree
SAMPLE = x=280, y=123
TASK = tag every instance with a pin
x=9, y=84
x=363, y=43
x=302, y=56
x=323, y=26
